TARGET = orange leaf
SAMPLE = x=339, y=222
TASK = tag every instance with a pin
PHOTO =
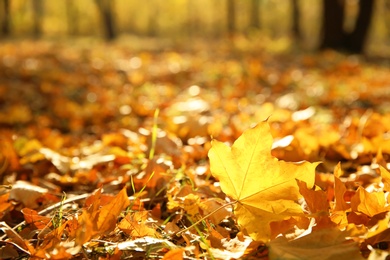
x=385, y=177
x=8, y=154
x=316, y=199
x=339, y=190
x=110, y=212
x=32, y=217
x=174, y=254
x=5, y=205
x=135, y=224
x=98, y=220
x=368, y=203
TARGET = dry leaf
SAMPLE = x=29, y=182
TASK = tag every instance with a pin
x=26, y=193
x=264, y=187
x=385, y=177
x=339, y=190
x=137, y=225
x=316, y=200
x=369, y=203
x=32, y=217
x=323, y=244
x=174, y=254
x=98, y=220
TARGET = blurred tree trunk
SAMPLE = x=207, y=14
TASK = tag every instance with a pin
x=356, y=39
x=254, y=14
x=333, y=17
x=231, y=17
x=295, y=19
x=72, y=17
x=334, y=35
x=5, y=17
x=152, y=19
x=37, y=17
x=106, y=11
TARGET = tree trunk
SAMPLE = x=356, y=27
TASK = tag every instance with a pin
x=356, y=39
x=334, y=35
x=72, y=17
x=333, y=17
x=37, y=17
x=152, y=20
x=106, y=12
x=254, y=14
x=295, y=19
x=231, y=17
x=5, y=17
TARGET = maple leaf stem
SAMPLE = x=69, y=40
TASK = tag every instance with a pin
x=204, y=217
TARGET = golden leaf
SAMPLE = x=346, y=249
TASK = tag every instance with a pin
x=264, y=187
x=368, y=203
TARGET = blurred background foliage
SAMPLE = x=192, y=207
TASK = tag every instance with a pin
x=287, y=23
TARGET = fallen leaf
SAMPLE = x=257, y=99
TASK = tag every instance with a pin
x=137, y=225
x=368, y=203
x=316, y=200
x=214, y=205
x=5, y=205
x=174, y=254
x=98, y=220
x=16, y=239
x=385, y=177
x=26, y=193
x=232, y=248
x=323, y=244
x=32, y=217
x=144, y=244
x=264, y=188
x=379, y=232
x=339, y=190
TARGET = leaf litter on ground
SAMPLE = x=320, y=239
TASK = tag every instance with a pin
x=140, y=183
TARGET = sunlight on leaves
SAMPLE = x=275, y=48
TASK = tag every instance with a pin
x=264, y=187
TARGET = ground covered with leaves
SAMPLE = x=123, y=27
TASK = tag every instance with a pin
x=110, y=152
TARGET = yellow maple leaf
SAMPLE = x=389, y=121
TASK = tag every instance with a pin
x=264, y=187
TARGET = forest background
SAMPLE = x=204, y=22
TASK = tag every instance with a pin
x=180, y=22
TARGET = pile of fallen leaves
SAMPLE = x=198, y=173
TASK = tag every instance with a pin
x=109, y=153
